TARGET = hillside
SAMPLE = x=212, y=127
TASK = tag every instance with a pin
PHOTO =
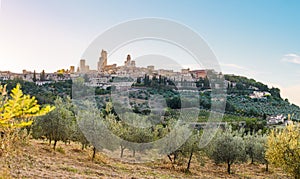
x=37, y=159
x=245, y=97
x=26, y=151
x=251, y=98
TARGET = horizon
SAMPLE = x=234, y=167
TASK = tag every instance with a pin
x=254, y=39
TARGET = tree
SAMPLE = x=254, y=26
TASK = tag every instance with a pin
x=275, y=92
x=250, y=141
x=130, y=130
x=43, y=76
x=260, y=150
x=139, y=80
x=228, y=147
x=190, y=147
x=283, y=149
x=86, y=78
x=16, y=113
x=19, y=110
x=96, y=127
x=255, y=147
x=206, y=83
x=58, y=124
x=78, y=136
x=34, y=76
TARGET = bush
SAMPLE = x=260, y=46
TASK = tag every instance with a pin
x=284, y=149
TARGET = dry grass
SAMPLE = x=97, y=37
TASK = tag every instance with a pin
x=38, y=160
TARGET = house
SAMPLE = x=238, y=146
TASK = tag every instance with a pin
x=259, y=94
x=271, y=120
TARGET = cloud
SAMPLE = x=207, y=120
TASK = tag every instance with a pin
x=231, y=65
x=291, y=58
x=230, y=68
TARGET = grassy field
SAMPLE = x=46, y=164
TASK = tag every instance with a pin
x=38, y=160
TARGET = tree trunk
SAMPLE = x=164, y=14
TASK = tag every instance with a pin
x=94, y=153
x=252, y=160
x=189, y=163
x=170, y=158
x=267, y=166
x=122, y=151
x=133, y=153
x=28, y=128
x=54, y=145
x=50, y=141
x=175, y=157
x=171, y=161
x=228, y=167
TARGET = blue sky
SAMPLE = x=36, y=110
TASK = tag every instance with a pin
x=258, y=39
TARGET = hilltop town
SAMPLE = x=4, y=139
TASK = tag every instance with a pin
x=104, y=71
x=244, y=96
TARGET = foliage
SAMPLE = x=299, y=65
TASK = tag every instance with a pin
x=283, y=149
x=245, y=106
x=18, y=110
x=191, y=147
x=45, y=94
x=259, y=150
x=132, y=128
x=238, y=100
x=58, y=124
x=94, y=125
x=228, y=147
x=255, y=147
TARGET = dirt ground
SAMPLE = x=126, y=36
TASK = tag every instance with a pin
x=38, y=160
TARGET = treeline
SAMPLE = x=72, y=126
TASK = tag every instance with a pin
x=238, y=101
x=96, y=127
x=89, y=126
x=45, y=94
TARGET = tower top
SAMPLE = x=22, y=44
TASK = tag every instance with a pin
x=128, y=57
x=103, y=53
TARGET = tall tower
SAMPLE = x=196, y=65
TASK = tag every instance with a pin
x=128, y=61
x=102, y=63
x=82, y=65
x=72, y=69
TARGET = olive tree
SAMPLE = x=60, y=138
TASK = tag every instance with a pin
x=255, y=145
x=191, y=147
x=259, y=150
x=96, y=127
x=228, y=147
x=58, y=124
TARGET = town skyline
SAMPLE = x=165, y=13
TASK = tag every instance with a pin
x=39, y=35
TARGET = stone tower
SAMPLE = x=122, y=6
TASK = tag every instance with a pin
x=102, y=63
x=128, y=61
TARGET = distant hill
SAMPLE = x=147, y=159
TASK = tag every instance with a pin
x=245, y=97
x=251, y=98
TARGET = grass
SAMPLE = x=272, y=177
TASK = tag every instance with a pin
x=69, y=169
x=5, y=173
x=61, y=150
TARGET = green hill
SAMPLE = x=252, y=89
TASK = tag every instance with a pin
x=245, y=97
x=242, y=101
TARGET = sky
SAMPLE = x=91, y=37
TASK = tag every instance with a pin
x=253, y=38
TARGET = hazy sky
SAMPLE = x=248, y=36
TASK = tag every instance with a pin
x=258, y=39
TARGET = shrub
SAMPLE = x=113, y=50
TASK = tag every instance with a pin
x=284, y=149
